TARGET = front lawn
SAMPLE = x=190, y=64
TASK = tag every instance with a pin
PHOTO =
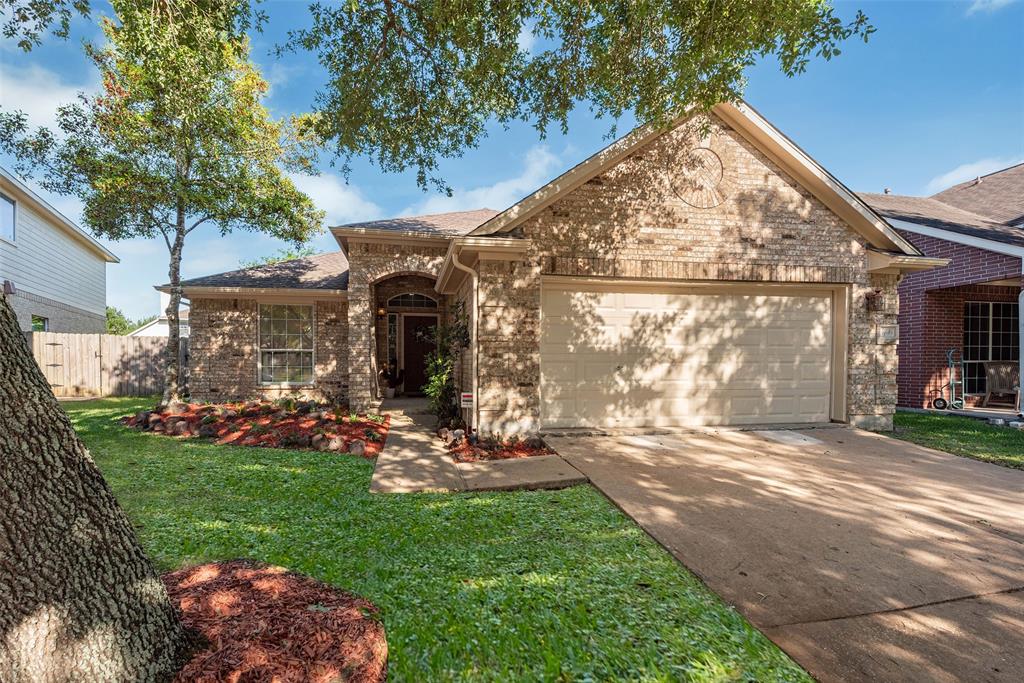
x=963, y=436
x=551, y=585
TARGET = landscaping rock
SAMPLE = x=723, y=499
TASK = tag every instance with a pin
x=445, y=434
x=316, y=415
x=142, y=419
x=153, y=420
x=304, y=407
x=997, y=421
x=207, y=431
x=319, y=442
x=1017, y=425
x=158, y=427
x=177, y=408
x=533, y=442
x=457, y=436
x=336, y=444
x=229, y=413
x=357, y=447
x=181, y=428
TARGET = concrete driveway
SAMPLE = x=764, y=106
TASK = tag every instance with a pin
x=863, y=557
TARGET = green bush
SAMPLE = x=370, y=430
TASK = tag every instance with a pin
x=449, y=341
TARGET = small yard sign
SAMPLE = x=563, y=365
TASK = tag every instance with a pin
x=467, y=399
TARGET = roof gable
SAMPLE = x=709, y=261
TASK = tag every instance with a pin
x=320, y=272
x=758, y=132
x=932, y=213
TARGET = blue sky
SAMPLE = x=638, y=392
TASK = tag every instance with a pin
x=936, y=97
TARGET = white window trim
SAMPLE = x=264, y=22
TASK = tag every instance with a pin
x=13, y=241
x=260, y=350
x=989, y=360
x=437, y=304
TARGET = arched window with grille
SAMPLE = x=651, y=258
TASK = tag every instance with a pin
x=412, y=300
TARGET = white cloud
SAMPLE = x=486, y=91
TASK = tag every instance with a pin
x=38, y=92
x=342, y=202
x=969, y=171
x=988, y=6
x=526, y=39
x=538, y=166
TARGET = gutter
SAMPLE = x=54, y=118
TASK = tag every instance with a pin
x=475, y=282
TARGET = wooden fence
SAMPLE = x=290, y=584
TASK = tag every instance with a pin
x=102, y=364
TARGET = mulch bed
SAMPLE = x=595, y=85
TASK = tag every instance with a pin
x=467, y=452
x=266, y=424
x=263, y=623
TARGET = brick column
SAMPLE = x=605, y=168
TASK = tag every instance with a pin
x=360, y=337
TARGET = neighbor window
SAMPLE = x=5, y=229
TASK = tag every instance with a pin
x=6, y=218
x=286, y=344
x=991, y=333
x=40, y=324
x=412, y=301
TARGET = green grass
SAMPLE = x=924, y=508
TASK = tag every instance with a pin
x=555, y=585
x=963, y=436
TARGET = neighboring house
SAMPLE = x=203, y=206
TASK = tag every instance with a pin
x=974, y=303
x=54, y=274
x=158, y=327
x=689, y=276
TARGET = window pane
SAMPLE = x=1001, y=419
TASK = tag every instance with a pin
x=40, y=324
x=6, y=218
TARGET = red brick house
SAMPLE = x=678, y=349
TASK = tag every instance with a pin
x=974, y=303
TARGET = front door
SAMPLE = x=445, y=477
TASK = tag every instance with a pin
x=415, y=349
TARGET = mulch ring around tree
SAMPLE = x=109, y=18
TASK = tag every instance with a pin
x=471, y=449
x=281, y=424
x=264, y=623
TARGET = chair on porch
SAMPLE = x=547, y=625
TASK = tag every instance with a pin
x=1002, y=379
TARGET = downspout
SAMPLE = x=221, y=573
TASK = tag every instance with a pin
x=1020, y=338
x=472, y=332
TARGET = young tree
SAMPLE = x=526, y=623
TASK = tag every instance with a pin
x=410, y=82
x=118, y=322
x=176, y=139
x=79, y=600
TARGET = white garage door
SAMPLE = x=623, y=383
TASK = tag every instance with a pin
x=615, y=355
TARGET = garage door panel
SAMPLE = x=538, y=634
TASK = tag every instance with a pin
x=642, y=358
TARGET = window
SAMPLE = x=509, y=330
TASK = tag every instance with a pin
x=412, y=301
x=392, y=338
x=286, y=344
x=40, y=324
x=6, y=218
x=991, y=333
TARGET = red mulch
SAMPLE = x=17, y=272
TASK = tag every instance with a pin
x=466, y=452
x=264, y=623
x=266, y=425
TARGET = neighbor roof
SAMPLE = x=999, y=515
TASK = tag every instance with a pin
x=931, y=212
x=452, y=224
x=997, y=196
x=322, y=271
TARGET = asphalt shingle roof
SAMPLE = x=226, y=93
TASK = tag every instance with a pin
x=322, y=271
x=997, y=196
x=451, y=224
x=933, y=213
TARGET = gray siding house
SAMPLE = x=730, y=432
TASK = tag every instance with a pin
x=54, y=274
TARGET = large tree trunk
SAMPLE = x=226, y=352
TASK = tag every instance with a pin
x=79, y=600
x=172, y=352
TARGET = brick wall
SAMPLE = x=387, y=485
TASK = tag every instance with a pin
x=62, y=317
x=224, y=357
x=630, y=222
x=932, y=305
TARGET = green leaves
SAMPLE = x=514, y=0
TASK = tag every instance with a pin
x=411, y=83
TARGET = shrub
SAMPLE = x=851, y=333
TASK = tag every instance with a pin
x=449, y=341
x=372, y=435
x=209, y=419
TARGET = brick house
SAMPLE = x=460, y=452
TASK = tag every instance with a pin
x=697, y=274
x=972, y=304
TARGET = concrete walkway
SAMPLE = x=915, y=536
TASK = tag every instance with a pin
x=414, y=459
x=863, y=557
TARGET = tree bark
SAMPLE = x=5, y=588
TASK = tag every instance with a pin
x=172, y=352
x=79, y=600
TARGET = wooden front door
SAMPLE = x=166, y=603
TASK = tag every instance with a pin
x=415, y=350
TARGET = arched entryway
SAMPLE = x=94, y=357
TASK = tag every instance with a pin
x=405, y=308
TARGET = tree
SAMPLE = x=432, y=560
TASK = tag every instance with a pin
x=411, y=82
x=79, y=600
x=280, y=256
x=176, y=138
x=118, y=322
